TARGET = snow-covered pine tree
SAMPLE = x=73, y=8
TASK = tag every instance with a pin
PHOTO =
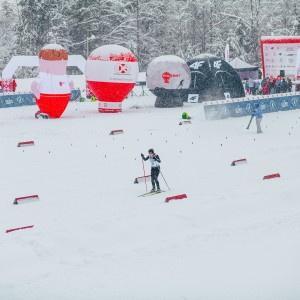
x=82, y=24
x=94, y=23
x=8, y=19
x=41, y=22
x=143, y=25
x=151, y=28
x=289, y=23
x=239, y=41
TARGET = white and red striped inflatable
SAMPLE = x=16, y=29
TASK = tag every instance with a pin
x=111, y=74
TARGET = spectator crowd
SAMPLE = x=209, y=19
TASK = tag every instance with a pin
x=8, y=85
x=269, y=85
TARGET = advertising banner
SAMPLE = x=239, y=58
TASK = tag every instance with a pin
x=13, y=100
x=297, y=70
x=279, y=55
x=232, y=108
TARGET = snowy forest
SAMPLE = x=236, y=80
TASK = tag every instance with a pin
x=149, y=28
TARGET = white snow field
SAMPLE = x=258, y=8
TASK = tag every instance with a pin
x=235, y=236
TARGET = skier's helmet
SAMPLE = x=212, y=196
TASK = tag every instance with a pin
x=151, y=151
x=256, y=105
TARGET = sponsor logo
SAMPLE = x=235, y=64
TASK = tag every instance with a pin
x=249, y=107
x=238, y=110
x=227, y=95
x=61, y=83
x=196, y=65
x=122, y=68
x=225, y=111
x=295, y=102
x=193, y=98
x=166, y=76
x=217, y=64
x=284, y=104
x=9, y=101
x=20, y=100
x=272, y=105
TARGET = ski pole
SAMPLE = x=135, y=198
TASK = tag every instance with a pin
x=164, y=179
x=144, y=175
x=249, y=122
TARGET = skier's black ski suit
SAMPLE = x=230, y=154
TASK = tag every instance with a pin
x=155, y=168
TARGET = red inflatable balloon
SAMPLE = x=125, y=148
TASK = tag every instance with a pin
x=52, y=89
x=111, y=74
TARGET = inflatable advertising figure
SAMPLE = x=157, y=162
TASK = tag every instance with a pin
x=111, y=74
x=213, y=79
x=52, y=89
x=167, y=78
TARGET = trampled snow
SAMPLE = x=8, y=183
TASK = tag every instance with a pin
x=235, y=236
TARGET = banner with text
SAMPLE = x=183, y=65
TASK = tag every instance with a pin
x=244, y=106
x=21, y=99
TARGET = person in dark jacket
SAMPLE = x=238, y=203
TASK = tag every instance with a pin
x=155, y=168
x=283, y=85
x=289, y=85
x=271, y=86
x=14, y=85
x=258, y=116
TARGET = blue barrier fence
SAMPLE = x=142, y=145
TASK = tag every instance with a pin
x=240, y=107
x=21, y=99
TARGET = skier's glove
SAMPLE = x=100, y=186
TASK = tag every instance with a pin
x=142, y=155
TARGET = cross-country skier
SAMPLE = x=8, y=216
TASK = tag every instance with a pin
x=155, y=168
x=258, y=115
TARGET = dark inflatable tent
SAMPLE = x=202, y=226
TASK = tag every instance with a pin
x=213, y=79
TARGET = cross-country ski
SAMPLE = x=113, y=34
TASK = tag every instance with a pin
x=151, y=193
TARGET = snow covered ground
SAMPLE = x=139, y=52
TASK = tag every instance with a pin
x=236, y=236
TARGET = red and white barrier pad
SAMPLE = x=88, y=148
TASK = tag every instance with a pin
x=239, y=162
x=18, y=228
x=26, y=199
x=119, y=131
x=271, y=176
x=142, y=179
x=28, y=143
x=177, y=197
